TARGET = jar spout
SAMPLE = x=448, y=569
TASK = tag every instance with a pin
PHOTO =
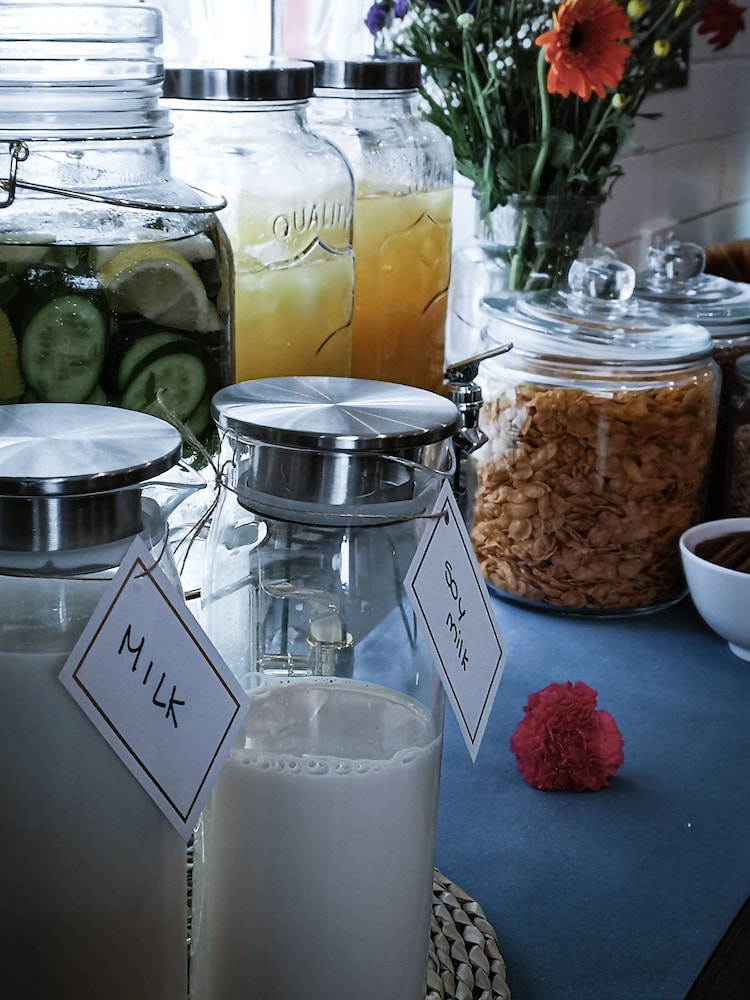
x=174, y=487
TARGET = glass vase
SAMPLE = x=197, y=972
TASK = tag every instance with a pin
x=524, y=245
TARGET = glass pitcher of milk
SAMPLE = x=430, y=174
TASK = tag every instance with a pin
x=94, y=885
x=314, y=857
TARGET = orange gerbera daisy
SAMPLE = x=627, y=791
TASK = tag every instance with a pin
x=585, y=47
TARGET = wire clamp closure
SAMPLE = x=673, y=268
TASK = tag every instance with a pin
x=19, y=152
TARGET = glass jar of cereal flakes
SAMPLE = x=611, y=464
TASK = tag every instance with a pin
x=600, y=422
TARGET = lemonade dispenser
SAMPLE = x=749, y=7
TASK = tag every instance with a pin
x=289, y=213
x=94, y=883
x=314, y=858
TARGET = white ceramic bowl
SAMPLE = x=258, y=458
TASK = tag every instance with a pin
x=722, y=596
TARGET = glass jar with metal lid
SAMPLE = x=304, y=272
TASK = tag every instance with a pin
x=315, y=853
x=675, y=279
x=290, y=200
x=403, y=170
x=115, y=279
x=600, y=422
x=94, y=884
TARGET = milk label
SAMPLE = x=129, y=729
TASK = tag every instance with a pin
x=157, y=690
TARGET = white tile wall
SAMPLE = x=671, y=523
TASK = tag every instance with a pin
x=693, y=164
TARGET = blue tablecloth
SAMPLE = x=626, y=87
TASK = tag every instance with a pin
x=620, y=894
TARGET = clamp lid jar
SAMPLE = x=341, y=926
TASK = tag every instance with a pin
x=600, y=422
x=115, y=276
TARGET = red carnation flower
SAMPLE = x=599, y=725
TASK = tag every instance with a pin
x=722, y=20
x=564, y=742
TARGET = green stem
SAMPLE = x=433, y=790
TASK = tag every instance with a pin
x=546, y=133
x=597, y=125
x=536, y=174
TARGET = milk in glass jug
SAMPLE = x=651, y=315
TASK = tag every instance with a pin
x=94, y=891
x=314, y=858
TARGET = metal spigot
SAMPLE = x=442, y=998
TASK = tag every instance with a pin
x=467, y=395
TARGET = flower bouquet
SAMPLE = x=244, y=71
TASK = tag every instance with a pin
x=539, y=96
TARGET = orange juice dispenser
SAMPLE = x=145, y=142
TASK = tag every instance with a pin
x=403, y=169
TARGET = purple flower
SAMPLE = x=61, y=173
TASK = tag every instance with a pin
x=376, y=18
x=400, y=8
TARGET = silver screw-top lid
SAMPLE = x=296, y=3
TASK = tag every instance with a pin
x=335, y=442
x=368, y=74
x=70, y=474
x=273, y=80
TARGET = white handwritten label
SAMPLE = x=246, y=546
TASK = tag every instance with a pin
x=450, y=599
x=157, y=690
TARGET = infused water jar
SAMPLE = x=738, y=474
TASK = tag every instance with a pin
x=600, y=422
x=403, y=169
x=314, y=857
x=290, y=199
x=115, y=278
x=94, y=888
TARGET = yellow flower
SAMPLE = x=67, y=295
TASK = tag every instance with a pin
x=661, y=48
x=636, y=9
x=619, y=101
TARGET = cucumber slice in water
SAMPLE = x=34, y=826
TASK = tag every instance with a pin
x=62, y=350
x=148, y=348
x=180, y=379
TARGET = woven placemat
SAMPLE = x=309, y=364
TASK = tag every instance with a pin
x=464, y=961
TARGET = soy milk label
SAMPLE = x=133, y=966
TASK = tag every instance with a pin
x=450, y=599
x=157, y=690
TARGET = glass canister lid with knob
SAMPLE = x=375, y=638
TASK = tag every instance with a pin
x=600, y=422
x=78, y=830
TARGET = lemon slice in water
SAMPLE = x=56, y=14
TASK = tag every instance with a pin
x=157, y=283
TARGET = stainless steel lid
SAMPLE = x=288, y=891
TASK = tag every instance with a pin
x=368, y=74
x=259, y=80
x=326, y=442
x=70, y=473
x=674, y=278
x=596, y=319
